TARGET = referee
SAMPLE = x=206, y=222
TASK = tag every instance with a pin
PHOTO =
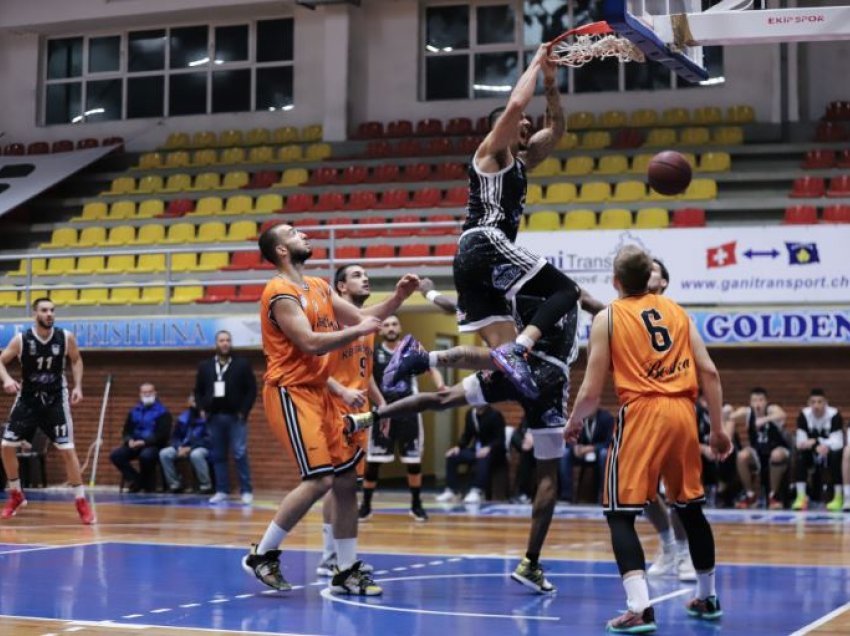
x=225, y=390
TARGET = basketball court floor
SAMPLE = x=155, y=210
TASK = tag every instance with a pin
x=157, y=564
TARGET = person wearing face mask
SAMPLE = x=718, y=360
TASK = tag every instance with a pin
x=146, y=431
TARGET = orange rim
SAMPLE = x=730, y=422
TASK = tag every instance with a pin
x=594, y=28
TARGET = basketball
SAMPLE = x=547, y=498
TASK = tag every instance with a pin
x=669, y=173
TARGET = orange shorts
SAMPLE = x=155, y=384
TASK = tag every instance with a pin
x=360, y=438
x=307, y=423
x=656, y=438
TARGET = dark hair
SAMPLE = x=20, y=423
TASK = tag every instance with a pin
x=341, y=274
x=494, y=115
x=817, y=393
x=757, y=390
x=41, y=299
x=664, y=273
x=268, y=243
x=221, y=331
x=632, y=267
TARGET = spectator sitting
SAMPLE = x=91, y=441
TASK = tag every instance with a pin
x=485, y=426
x=190, y=439
x=146, y=430
x=522, y=441
x=590, y=450
x=820, y=446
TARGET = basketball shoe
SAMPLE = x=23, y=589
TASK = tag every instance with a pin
x=801, y=502
x=266, y=567
x=664, y=562
x=16, y=500
x=685, y=567
x=418, y=512
x=633, y=623
x=531, y=576
x=354, y=581
x=749, y=500
x=85, y=512
x=364, y=513
x=409, y=358
x=837, y=502
x=707, y=609
x=510, y=359
x=329, y=566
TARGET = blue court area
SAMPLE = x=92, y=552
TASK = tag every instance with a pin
x=204, y=587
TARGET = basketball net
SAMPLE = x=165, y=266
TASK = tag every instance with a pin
x=594, y=41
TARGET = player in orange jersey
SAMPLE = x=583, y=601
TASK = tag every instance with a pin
x=656, y=355
x=354, y=391
x=302, y=320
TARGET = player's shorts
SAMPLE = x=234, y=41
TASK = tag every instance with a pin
x=307, y=423
x=489, y=270
x=50, y=413
x=545, y=415
x=360, y=438
x=655, y=439
x=405, y=436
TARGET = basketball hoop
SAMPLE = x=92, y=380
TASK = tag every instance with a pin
x=590, y=42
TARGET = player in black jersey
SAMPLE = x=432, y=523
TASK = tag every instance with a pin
x=43, y=401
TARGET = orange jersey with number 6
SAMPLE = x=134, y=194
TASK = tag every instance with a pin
x=651, y=351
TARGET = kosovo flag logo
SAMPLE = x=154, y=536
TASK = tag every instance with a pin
x=802, y=253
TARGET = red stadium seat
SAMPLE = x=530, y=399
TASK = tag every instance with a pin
x=429, y=128
x=370, y=232
x=329, y=201
x=819, y=159
x=467, y=145
x=262, y=179
x=455, y=197
x=828, y=132
x=409, y=148
x=446, y=249
x=249, y=293
x=218, y=294
x=270, y=223
x=807, y=187
x=88, y=142
x=839, y=186
x=401, y=128
x=308, y=222
x=843, y=159
x=688, y=217
x=341, y=220
x=376, y=149
x=319, y=253
x=179, y=207
x=459, y=126
x=347, y=253
x=385, y=252
x=405, y=231
x=243, y=261
x=425, y=198
x=385, y=173
x=414, y=251
x=482, y=125
x=14, y=149
x=323, y=176
x=439, y=146
x=370, y=130
x=354, y=174
x=62, y=145
x=299, y=203
x=836, y=214
x=416, y=172
x=361, y=200
x=628, y=138
x=392, y=200
x=113, y=141
x=445, y=230
x=838, y=111
x=38, y=148
x=450, y=172
x=801, y=215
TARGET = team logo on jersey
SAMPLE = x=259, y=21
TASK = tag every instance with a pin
x=56, y=349
x=504, y=276
x=32, y=347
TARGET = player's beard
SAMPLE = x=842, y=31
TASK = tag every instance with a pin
x=300, y=257
x=46, y=323
x=391, y=336
x=360, y=299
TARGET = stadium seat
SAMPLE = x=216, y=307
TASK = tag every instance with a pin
x=652, y=218
x=290, y=153
x=14, y=150
x=425, y=198
x=807, y=188
x=579, y=220
x=218, y=294
x=700, y=189
x=329, y=201
x=369, y=130
x=482, y=125
x=740, y=114
x=210, y=232
x=429, y=128
x=208, y=206
x=178, y=159
x=594, y=192
x=231, y=156
x=312, y=132
x=120, y=264
x=38, y=265
x=384, y=173
x=92, y=237
x=150, y=161
x=298, y=203
x=800, y=215
x=378, y=149
x=257, y=137
x=459, y=126
x=122, y=185
x=615, y=219
x=178, y=183
x=230, y=138
x=239, y=204
x=91, y=296
x=579, y=166
x=319, y=253
x=629, y=191
x=401, y=128
x=581, y=120
x=627, y=138
x=385, y=254
x=186, y=294
x=212, y=261
x=38, y=148
x=361, y=200
x=839, y=186
x=613, y=119
x=152, y=296
x=353, y=174
x=613, y=164
x=59, y=266
x=206, y=157
x=184, y=262
x=285, y=135
x=595, y=140
x=392, y=199
x=429, y=228
x=122, y=210
x=369, y=232
x=547, y=221
x=450, y=172
x=708, y=116
x=533, y=194
x=179, y=233
x=688, y=217
x=416, y=172
x=715, y=162
x=261, y=154
x=123, y=296
x=643, y=118
x=11, y=298
x=241, y=231
x=694, y=136
x=150, y=264
x=244, y=261
x=323, y=176
x=836, y=214
x=559, y=193
x=660, y=138
x=467, y=146
x=640, y=163
x=88, y=265
x=203, y=139
x=150, y=184
x=121, y=235
x=456, y=197
x=179, y=207
x=318, y=152
x=293, y=177
x=347, y=253
x=728, y=136
x=549, y=167
x=94, y=211
x=819, y=160
x=63, y=237
x=414, y=251
x=235, y=180
x=150, y=234
x=446, y=250
x=177, y=140
x=207, y=181
x=406, y=231
x=439, y=147
x=338, y=221
x=62, y=297
x=675, y=117
x=115, y=140
x=268, y=203
x=250, y=293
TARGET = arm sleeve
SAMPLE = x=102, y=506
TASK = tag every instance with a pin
x=836, y=434
x=802, y=429
x=250, y=390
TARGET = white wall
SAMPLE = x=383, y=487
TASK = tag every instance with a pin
x=825, y=75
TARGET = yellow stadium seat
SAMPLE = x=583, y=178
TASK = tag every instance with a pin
x=63, y=297
x=267, y=203
x=177, y=140
x=313, y=132
x=660, y=138
x=523, y=222
x=728, y=136
x=92, y=236
x=10, y=298
x=708, y=116
x=122, y=185
x=228, y=138
x=594, y=192
x=675, y=117
x=652, y=195
x=91, y=296
x=700, y=189
x=206, y=157
x=629, y=191
x=60, y=266
x=579, y=220
x=643, y=118
x=740, y=114
x=560, y=193
x=63, y=237
x=318, y=152
x=150, y=264
x=294, y=177
x=120, y=264
x=549, y=167
x=581, y=120
x=595, y=140
x=257, y=137
x=89, y=265
x=149, y=208
x=186, y=294
x=180, y=233
x=640, y=163
x=39, y=266
x=211, y=232
x=184, y=262
x=121, y=235
x=235, y=180
x=203, y=139
x=261, y=154
x=94, y=211
x=534, y=194
x=150, y=234
x=652, y=218
x=212, y=261
x=178, y=183
x=122, y=296
x=568, y=141
x=613, y=119
x=690, y=158
x=578, y=166
x=208, y=206
x=179, y=159
x=231, y=156
x=242, y=231
x=150, y=184
x=285, y=135
x=613, y=164
x=544, y=222
x=150, y=160
x=715, y=162
x=121, y=210
x=152, y=296
x=207, y=181
x=240, y=204
x=694, y=136
x=615, y=219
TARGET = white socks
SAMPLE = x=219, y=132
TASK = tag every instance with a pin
x=272, y=539
x=346, y=553
x=79, y=492
x=682, y=547
x=667, y=539
x=801, y=488
x=14, y=484
x=328, y=547
x=637, y=593
x=846, y=489
x=525, y=341
x=433, y=362
x=705, y=585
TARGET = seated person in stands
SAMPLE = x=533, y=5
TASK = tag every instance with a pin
x=146, y=431
x=589, y=451
x=767, y=453
x=524, y=486
x=189, y=440
x=480, y=447
x=820, y=447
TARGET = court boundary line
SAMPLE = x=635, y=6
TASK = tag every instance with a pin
x=53, y=547
x=823, y=620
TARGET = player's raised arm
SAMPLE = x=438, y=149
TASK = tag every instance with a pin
x=76, y=367
x=347, y=314
x=598, y=363
x=543, y=142
x=291, y=320
x=709, y=379
x=12, y=351
x=590, y=304
x=427, y=289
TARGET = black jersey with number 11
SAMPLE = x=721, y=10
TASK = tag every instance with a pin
x=43, y=363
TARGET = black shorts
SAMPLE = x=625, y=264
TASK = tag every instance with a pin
x=405, y=433
x=50, y=413
x=489, y=270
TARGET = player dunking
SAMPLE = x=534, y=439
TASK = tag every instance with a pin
x=300, y=320
x=656, y=354
x=43, y=401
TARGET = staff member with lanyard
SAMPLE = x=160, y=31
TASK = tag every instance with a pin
x=225, y=390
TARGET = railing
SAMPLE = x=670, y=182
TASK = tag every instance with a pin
x=29, y=282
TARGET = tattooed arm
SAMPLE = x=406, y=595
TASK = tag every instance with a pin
x=543, y=142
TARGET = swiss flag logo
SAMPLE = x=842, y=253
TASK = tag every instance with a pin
x=721, y=256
